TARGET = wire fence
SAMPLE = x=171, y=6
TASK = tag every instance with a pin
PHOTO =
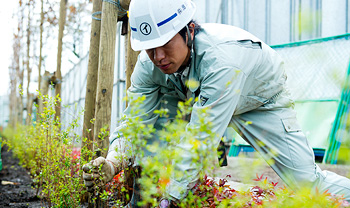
x=74, y=89
x=317, y=72
x=316, y=69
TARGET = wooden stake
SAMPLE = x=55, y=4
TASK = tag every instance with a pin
x=91, y=83
x=105, y=75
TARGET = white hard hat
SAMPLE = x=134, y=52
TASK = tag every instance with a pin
x=154, y=22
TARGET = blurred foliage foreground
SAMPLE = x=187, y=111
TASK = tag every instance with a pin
x=53, y=161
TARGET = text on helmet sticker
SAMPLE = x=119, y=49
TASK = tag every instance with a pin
x=181, y=9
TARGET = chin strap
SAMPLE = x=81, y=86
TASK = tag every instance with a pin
x=189, y=41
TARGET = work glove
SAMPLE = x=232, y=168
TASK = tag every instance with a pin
x=98, y=172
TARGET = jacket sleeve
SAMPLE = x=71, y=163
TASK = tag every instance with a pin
x=219, y=92
x=141, y=85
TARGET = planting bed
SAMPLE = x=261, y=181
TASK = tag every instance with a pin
x=21, y=194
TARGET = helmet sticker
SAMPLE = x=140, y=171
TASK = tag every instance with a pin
x=145, y=28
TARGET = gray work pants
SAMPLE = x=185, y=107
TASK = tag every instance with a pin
x=275, y=133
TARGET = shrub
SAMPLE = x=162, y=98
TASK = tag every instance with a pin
x=157, y=171
x=50, y=156
x=54, y=164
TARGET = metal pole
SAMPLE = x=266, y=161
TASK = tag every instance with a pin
x=320, y=17
x=118, y=97
x=267, y=21
x=317, y=20
x=233, y=12
x=347, y=16
x=299, y=21
x=245, y=18
x=291, y=22
x=207, y=10
x=224, y=12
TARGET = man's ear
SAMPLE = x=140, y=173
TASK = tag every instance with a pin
x=188, y=38
x=191, y=28
x=190, y=32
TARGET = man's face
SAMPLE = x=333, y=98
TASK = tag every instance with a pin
x=171, y=56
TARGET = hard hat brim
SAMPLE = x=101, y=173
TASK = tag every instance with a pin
x=137, y=45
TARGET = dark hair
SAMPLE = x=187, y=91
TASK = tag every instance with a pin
x=196, y=28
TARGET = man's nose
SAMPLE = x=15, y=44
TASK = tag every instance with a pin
x=159, y=54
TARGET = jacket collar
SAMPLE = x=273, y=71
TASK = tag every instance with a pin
x=190, y=72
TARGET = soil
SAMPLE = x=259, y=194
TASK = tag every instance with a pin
x=22, y=194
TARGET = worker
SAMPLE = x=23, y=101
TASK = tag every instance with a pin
x=240, y=79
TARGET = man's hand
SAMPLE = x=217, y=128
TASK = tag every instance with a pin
x=98, y=172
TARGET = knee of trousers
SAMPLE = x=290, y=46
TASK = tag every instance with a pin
x=300, y=177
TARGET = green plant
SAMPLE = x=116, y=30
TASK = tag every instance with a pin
x=158, y=170
x=50, y=156
x=54, y=164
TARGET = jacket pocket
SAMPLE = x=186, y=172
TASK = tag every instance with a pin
x=291, y=125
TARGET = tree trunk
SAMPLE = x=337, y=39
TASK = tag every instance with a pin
x=130, y=60
x=20, y=96
x=62, y=22
x=45, y=84
x=105, y=76
x=13, y=72
x=91, y=83
x=13, y=92
x=29, y=70
x=40, y=101
x=20, y=68
x=44, y=90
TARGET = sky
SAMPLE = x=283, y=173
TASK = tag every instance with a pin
x=6, y=44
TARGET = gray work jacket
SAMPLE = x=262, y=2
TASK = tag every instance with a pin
x=236, y=73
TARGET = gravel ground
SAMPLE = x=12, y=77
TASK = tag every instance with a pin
x=252, y=166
